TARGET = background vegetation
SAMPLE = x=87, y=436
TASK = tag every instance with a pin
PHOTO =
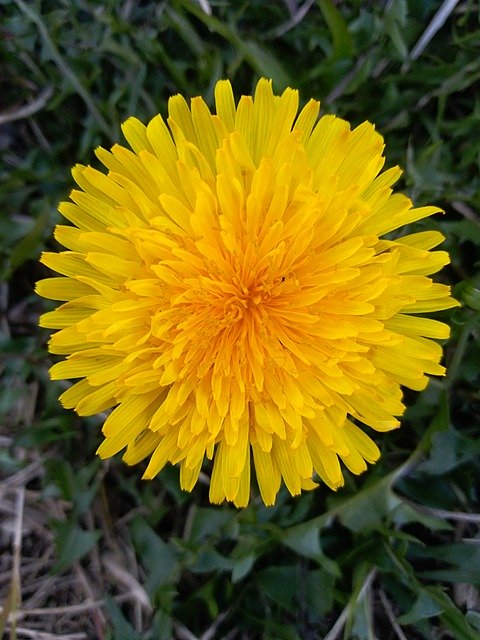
x=91, y=551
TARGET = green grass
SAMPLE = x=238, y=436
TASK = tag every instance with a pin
x=90, y=549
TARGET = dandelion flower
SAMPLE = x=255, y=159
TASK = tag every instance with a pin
x=228, y=290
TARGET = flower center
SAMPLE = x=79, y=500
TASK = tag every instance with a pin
x=252, y=299
x=234, y=309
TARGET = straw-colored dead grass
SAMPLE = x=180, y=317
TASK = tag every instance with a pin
x=36, y=601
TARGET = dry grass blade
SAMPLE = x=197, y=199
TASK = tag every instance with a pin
x=13, y=599
x=391, y=616
x=336, y=630
x=40, y=635
x=436, y=23
x=206, y=8
x=123, y=577
x=97, y=617
x=297, y=15
x=27, y=587
x=29, y=109
x=466, y=211
x=22, y=477
x=183, y=633
x=211, y=632
x=67, y=72
x=340, y=88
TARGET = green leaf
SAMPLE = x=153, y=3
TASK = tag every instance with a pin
x=29, y=246
x=61, y=473
x=465, y=230
x=186, y=31
x=395, y=22
x=473, y=618
x=319, y=592
x=366, y=510
x=465, y=292
x=279, y=584
x=211, y=560
x=122, y=629
x=162, y=627
x=424, y=607
x=306, y=542
x=453, y=618
x=443, y=455
x=242, y=567
x=342, y=42
x=72, y=543
x=463, y=558
x=439, y=423
x=206, y=594
x=407, y=513
x=158, y=558
x=77, y=486
x=209, y=522
x=358, y=623
x=266, y=64
x=257, y=55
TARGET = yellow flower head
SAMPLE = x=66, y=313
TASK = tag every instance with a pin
x=226, y=288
